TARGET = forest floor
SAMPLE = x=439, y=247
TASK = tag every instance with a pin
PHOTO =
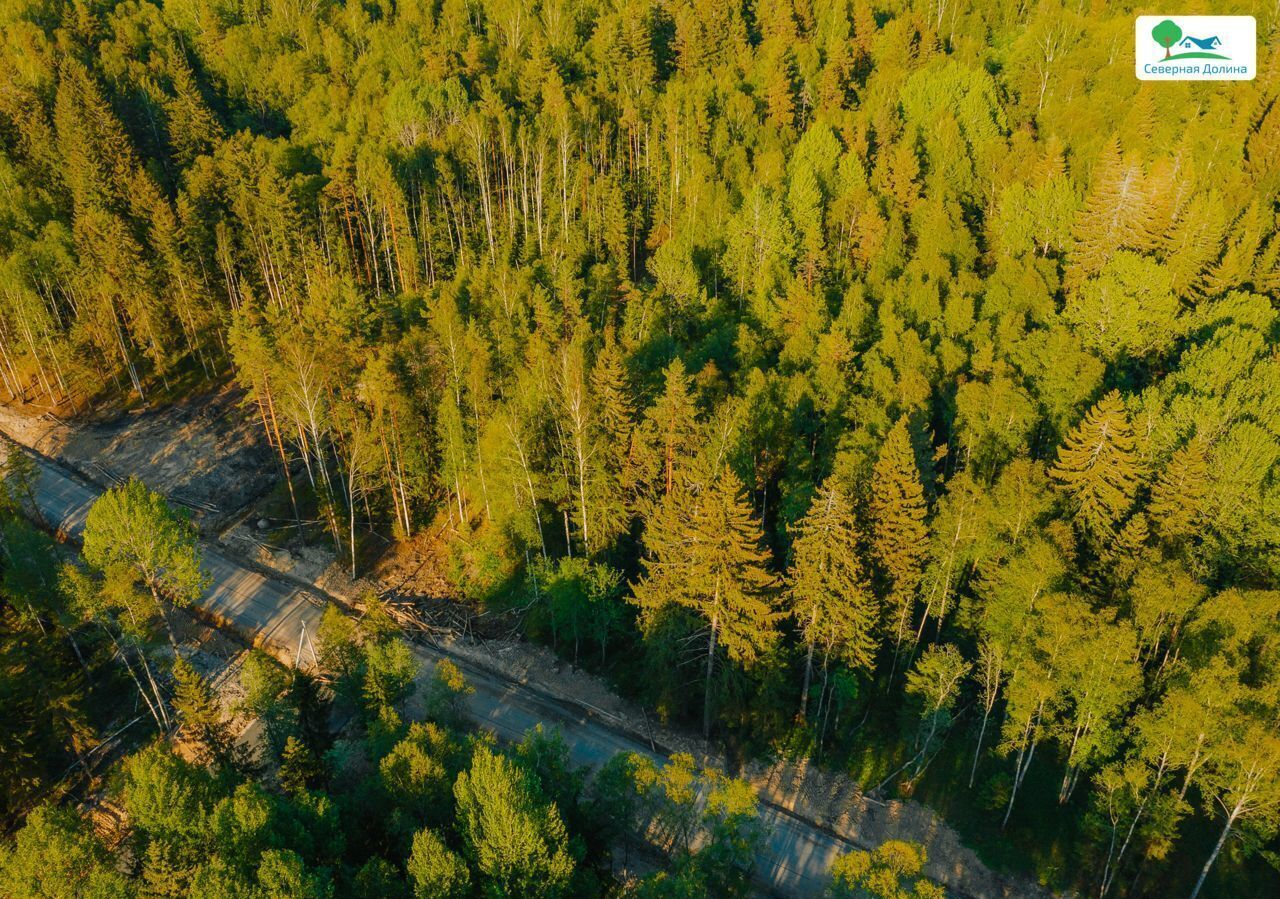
x=206, y=453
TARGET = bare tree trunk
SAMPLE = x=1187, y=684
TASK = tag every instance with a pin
x=711, y=663
x=164, y=616
x=1024, y=762
x=808, y=678
x=1213, y=857
x=977, y=752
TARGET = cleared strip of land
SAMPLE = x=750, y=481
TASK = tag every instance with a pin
x=273, y=612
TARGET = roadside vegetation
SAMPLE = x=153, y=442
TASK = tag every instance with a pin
x=879, y=383
x=387, y=806
x=404, y=799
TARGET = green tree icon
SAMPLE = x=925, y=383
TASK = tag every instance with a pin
x=1166, y=34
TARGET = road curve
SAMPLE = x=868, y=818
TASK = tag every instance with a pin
x=796, y=854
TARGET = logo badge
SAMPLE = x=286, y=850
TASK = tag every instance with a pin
x=1196, y=48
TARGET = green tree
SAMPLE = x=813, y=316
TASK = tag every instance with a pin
x=1128, y=310
x=282, y=874
x=827, y=588
x=391, y=668
x=198, y=711
x=1166, y=34
x=934, y=684
x=437, y=871
x=18, y=478
x=298, y=766
x=735, y=836
x=704, y=554
x=890, y=871
x=1098, y=467
x=1243, y=780
x=515, y=838
x=417, y=777
x=264, y=681
x=671, y=427
x=57, y=856
x=134, y=527
x=898, y=532
x=1179, y=492
x=446, y=694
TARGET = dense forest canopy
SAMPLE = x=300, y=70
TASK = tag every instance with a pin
x=876, y=380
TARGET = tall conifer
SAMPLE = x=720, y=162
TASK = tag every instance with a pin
x=1098, y=466
x=898, y=532
x=704, y=554
x=827, y=588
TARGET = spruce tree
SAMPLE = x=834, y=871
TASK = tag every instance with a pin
x=198, y=712
x=898, y=535
x=1115, y=214
x=671, y=426
x=613, y=425
x=1098, y=467
x=298, y=766
x=704, y=554
x=827, y=589
x=609, y=389
x=1177, y=497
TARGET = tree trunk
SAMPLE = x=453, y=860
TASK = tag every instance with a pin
x=1213, y=857
x=351, y=503
x=164, y=615
x=977, y=752
x=808, y=678
x=1024, y=762
x=124, y=660
x=1113, y=866
x=711, y=662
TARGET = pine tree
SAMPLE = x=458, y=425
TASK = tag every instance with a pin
x=827, y=590
x=704, y=553
x=513, y=835
x=1178, y=495
x=898, y=536
x=1098, y=467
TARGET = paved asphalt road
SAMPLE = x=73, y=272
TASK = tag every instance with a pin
x=796, y=855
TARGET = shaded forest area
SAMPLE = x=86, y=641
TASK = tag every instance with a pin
x=893, y=384
x=387, y=807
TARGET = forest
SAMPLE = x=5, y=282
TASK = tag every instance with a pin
x=889, y=384
x=313, y=814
